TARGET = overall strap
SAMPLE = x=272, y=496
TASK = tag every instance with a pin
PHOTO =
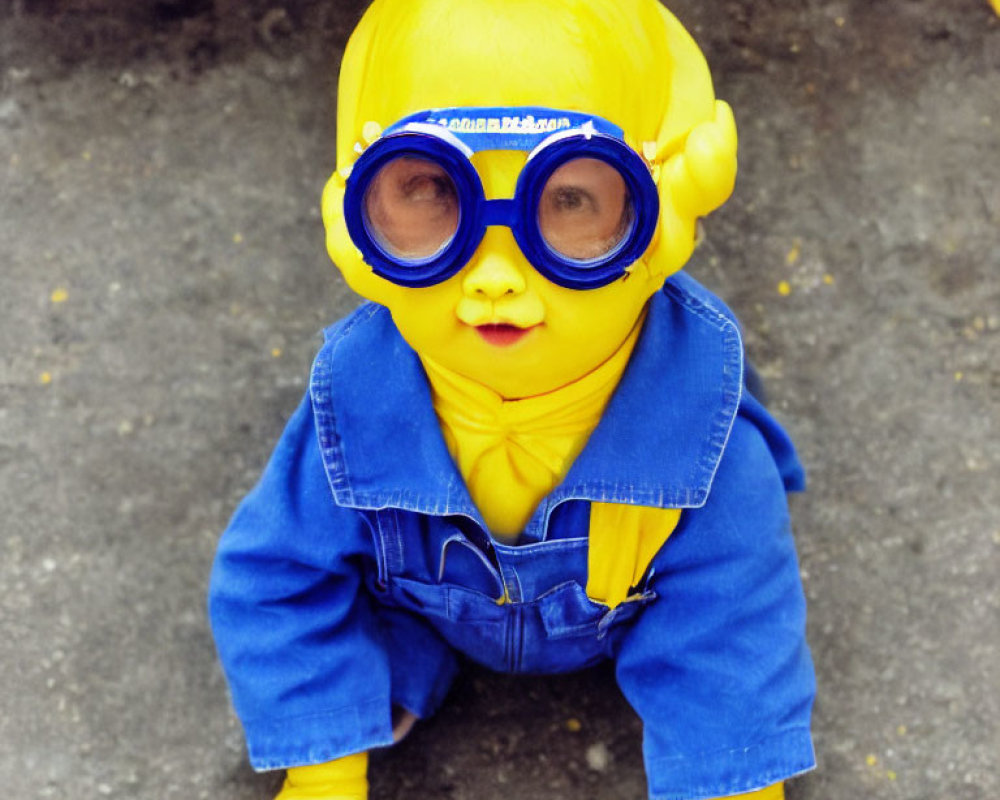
x=388, y=543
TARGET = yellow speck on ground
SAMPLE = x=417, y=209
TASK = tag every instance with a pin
x=891, y=775
x=573, y=725
x=959, y=375
x=828, y=279
x=871, y=760
x=86, y=155
x=45, y=378
x=901, y=730
x=59, y=295
x=237, y=238
x=792, y=256
x=275, y=352
x=784, y=288
x=840, y=22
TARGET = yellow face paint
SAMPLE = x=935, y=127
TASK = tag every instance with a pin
x=498, y=322
x=501, y=324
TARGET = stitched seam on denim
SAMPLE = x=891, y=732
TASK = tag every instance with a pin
x=511, y=580
x=609, y=491
x=338, y=475
x=290, y=751
x=385, y=574
x=698, y=306
x=392, y=539
x=405, y=500
x=566, y=631
x=329, y=444
x=767, y=779
x=706, y=464
x=792, y=766
x=711, y=455
x=452, y=606
x=726, y=417
x=459, y=538
x=527, y=551
x=381, y=573
x=339, y=710
x=725, y=751
x=321, y=393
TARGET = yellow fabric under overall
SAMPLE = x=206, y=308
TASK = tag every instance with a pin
x=512, y=453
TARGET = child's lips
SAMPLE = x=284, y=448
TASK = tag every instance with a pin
x=503, y=334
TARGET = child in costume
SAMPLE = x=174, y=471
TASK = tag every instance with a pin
x=534, y=446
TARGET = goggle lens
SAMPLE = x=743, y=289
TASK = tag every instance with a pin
x=585, y=210
x=412, y=208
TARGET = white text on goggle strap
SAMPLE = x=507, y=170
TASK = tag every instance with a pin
x=521, y=125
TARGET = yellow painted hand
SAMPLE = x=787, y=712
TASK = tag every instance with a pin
x=776, y=792
x=343, y=779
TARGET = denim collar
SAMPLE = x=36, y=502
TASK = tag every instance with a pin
x=658, y=444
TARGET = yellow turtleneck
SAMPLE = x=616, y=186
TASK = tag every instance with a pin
x=512, y=453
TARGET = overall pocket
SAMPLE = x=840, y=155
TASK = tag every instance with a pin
x=567, y=612
x=471, y=622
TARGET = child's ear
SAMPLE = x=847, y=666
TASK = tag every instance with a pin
x=694, y=181
x=345, y=255
x=702, y=175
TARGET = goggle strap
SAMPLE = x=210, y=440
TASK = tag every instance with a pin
x=512, y=128
x=434, y=130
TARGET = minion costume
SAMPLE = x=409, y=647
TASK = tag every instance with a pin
x=534, y=447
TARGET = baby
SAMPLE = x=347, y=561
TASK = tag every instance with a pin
x=534, y=446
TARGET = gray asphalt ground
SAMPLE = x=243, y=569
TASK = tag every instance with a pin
x=162, y=281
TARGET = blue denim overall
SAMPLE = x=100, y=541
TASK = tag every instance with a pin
x=358, y=566
x=512, y=609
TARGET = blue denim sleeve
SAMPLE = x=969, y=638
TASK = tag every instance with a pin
x=294, y=628
x=717, y=666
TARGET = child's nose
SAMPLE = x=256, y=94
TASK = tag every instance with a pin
x=493, y=275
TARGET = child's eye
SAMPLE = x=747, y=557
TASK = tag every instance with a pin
x=428, y=188
x=572, y=198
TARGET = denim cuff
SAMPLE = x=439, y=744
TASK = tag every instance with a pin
x=722, y=773
x=318, y=738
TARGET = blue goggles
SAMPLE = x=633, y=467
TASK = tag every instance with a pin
x=585, y=206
